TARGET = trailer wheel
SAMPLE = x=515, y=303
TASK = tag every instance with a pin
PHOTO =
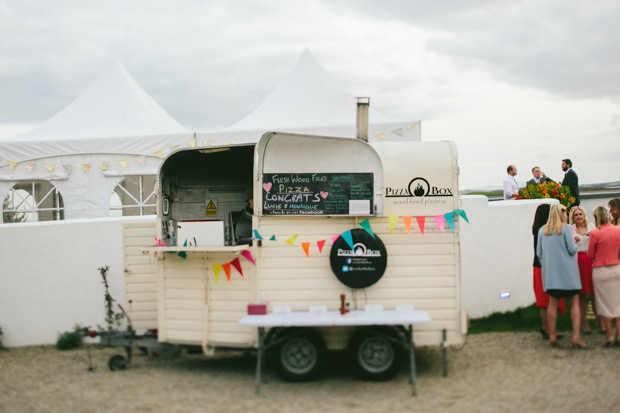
x=375, y=355
x=301, y=356
x=117, y=362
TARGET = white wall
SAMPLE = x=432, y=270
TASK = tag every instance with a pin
x=49, y=279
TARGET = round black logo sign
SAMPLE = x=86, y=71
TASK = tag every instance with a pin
x=419, y=187
x=361, y=266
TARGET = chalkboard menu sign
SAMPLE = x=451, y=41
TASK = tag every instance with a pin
x=318, y=194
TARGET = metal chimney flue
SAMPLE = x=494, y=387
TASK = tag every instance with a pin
x=363, y=105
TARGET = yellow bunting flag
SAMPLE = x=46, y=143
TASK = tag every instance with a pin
x=140, y=159
x=226, y=268
x=123, y=163
x=12, y=164
x=104, y=165
x=226, y=143
x=292, y=239
x=393, y=219
x=207, y=142
x=306, y=247
x=407, y=222
x=50, y=167
x=192, y=142
x=216, y=271
x=411, y=125
x=380, y=136
x=86, y=167
x=159, y=154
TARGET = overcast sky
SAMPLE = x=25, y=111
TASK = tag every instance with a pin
x=524, y=82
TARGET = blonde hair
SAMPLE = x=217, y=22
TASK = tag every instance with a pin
x=601, y=217
x=572, y=212
x=557, y=219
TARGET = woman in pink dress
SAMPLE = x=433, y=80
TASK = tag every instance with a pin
x=581, y=231
x=604, y=251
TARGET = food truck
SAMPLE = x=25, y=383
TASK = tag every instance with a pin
x=336, y=224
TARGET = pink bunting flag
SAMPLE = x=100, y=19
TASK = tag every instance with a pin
x=334, y=238
x=226, y=268
x=407, y=221
x=306, y=247
x=439, y=221
x=237, y=264
x=216, y=271
x=320, y=244
x=248, y=256
x=421, y=223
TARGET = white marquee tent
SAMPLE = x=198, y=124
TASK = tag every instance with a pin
x=115, y=130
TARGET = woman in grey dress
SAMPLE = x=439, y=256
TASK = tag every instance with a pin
x=557, y=251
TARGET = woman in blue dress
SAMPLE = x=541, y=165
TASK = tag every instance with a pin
x=557, y=251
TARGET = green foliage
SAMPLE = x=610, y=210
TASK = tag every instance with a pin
x=11, y=217
x=70, y=339
x=521, y=319
x=112, y=318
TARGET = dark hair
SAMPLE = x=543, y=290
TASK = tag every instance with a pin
x=509, y=168
x=540, y=218
x=568, y=162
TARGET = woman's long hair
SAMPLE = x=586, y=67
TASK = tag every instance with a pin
x=540, y=218
x=601, y=217
x=557, y=219
x=614, y=205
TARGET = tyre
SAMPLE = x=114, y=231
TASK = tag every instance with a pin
x=374, y=355
x=301, y=356
x=117, y=362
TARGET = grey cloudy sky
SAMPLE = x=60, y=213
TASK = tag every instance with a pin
x=524, y=82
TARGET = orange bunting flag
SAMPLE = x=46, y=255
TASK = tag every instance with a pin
x=292, y=239
x=237, y=265
x=407, y=221
x=421, y=223
x=226, y=268
x=320, y=244
x=216, y=271
x=306, y=247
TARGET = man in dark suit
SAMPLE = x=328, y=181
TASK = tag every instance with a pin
x=539, y=177
x=571, y=180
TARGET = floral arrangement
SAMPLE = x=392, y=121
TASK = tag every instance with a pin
x=547, y=190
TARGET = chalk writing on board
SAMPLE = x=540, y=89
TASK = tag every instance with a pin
x=317, y=193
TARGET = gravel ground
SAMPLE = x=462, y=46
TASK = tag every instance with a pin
x=492, y=372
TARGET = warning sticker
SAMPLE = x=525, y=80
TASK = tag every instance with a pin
x=211, y=209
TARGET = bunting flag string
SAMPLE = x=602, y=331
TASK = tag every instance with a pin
x=159, y=154
x=140, y=159
x=123, y=163
x=192, y=142
x=320, y=245
x=104, y=165
x=257, y=235
x=462, y=214
x=50, y=167
x=30, y=166
x=248, y=256
x=273, y=237
x=12, y=164
x=348, y=238
x=68, y=169
x=86, y=167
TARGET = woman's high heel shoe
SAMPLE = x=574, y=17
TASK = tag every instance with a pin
x=608, y=342
x=578, y=344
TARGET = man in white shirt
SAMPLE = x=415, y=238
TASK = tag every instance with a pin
x=510, y=184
